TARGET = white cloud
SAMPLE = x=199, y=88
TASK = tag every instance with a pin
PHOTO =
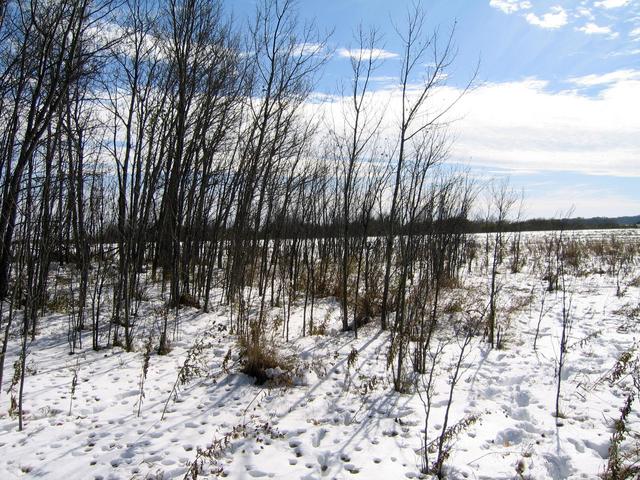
x=376, y=53
x=594, y=29
x=384, y=79
x=625, y=53
x=306, y=49
x=635, y=33
x=594, y=80
x=612, y=3
x=510, y=6
x=523, y=127
x=556, y=17
x=585, y=12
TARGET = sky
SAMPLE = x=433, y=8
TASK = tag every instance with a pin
x=555, y=104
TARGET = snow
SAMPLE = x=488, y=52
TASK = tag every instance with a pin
x=333, y=420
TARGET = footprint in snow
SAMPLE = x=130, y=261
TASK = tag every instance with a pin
x=510, y=436
x=522, y=398
x=294, y=442
x=259, y=473
x=318, y=437
x=128, y=453
x=558, y=467
x=351, y=468
x=602, y=448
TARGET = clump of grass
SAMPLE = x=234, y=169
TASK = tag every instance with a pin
x=261, y=359
x=321, y=328
x=635, y=282
x=61, y=302
x=188, y=300
x=146, y=357
x=368, y=307
x=195, y=365
x=141, y=295
x=573, y=253
x=453, y=306
x=622, y=464
x=352, y=358
x=443, y=443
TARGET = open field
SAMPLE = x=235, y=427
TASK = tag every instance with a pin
x=330, y=409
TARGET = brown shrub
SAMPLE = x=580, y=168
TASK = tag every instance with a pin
x=188, y=300
x=259, y=355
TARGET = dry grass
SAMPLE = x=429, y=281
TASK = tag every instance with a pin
x=260, y=357
x=188, y=300
x=61, y=302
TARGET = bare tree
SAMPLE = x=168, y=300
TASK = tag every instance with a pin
x=418, y=114
x=502, y=199
x=353, y=142
x=47, y=50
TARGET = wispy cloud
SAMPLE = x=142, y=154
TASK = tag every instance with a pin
x=510, y=6
x=595, y=80
x=585, y=13
x=612, y=3
x=376, y=53
x=625, y=53
x=305, y=49
x=556, y=17
x=384, y=79
x=594, y=29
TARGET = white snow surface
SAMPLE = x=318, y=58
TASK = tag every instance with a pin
x=334, y=421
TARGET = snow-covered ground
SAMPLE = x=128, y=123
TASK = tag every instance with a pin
x=339, y=419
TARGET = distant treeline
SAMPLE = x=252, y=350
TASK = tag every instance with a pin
x=379, y=227
x=539, y=224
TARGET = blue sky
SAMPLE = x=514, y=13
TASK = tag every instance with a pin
x=556, y=103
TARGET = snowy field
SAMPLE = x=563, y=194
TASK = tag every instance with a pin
x=337, y=416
